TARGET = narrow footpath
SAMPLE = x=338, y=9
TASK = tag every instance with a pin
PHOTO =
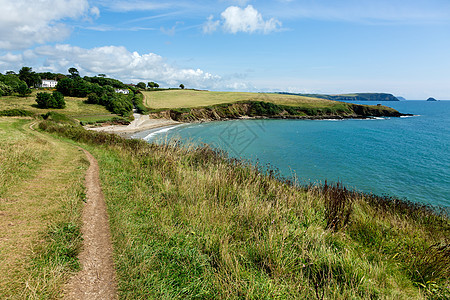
x=97, y=279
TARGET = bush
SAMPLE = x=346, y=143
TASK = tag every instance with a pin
x=23, y=89
x=59, y=99
x=59, y=118
x=5, y=90
x=16, y=113
x=265, y=108
x=46, y=100
x=138, y=100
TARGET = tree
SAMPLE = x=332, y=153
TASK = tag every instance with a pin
x=5, y=90
x=58, y=100
x=182, y=86
x=101, y=75
x=65, y=86
x=12, y=80
x=24, y=73
x=46, y=100
x=152, y=85
x=74, y=72
x=31, y=78
x=141, y=85
x=23, y=89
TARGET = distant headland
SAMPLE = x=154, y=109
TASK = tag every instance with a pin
x=351, y=97
x=431, y=99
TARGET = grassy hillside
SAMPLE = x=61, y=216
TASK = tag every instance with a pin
x=190, y=105
x=41, y=191
x=190, y=223
x=191, y=98
x=76, y=108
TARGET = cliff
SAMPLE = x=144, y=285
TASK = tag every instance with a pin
x=259, y=109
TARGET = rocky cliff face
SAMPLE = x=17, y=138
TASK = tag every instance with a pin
x=258, y=109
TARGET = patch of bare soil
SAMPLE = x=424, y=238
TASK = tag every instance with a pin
x=97, y=279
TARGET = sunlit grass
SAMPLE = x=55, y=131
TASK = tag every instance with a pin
x=192, y=98
x=74, y=106
x=41, y=193
x=189, y=223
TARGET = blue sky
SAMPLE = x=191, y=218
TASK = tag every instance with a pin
x=312, y=46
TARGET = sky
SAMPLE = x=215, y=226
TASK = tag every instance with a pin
x=303, y=46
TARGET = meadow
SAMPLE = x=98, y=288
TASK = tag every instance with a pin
x=194, y=105
x=41, y=193
x=75, y=108
x=190, y=223
x=194, y=98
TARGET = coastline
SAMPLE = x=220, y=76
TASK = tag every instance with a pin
x=145, y=124
x=141, y=123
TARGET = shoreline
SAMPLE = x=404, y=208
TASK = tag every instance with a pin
x=141, y=123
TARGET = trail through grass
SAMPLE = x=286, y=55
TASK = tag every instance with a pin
x=40, y=200
x=189, y=224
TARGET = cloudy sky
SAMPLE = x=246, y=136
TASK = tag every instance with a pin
x=313, y=46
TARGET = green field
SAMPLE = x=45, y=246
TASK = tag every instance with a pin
x=75, y=107
x=192, y=98
x=41, y=192
x=187, y=223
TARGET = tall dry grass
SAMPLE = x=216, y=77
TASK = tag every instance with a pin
x=187, y=222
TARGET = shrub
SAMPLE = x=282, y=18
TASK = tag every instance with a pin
x=5, y=90
x=16, y=113
x=46, y=100
x=59, y=99
x=23, y=89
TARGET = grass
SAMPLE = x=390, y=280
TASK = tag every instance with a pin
x=74, y=106
x=192, y=98
x=100, y=119
x=40, y=201
x=190, y=223
x=193, y=105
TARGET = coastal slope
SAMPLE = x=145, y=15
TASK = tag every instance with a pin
x=189, y=106
x=260, y=109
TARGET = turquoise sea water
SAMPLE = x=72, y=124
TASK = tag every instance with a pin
x=402, y=157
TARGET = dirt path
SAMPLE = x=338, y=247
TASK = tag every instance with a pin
x=97, y=279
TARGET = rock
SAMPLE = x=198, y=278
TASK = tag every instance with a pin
x=431, y=99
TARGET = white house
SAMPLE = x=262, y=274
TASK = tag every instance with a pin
x=123, y=91
x=46, y=83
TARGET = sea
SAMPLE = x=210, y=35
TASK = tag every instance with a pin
x=407, y=157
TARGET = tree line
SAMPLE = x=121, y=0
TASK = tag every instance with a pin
x=98, y=89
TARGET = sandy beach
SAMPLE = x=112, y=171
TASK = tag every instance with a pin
x=140, y=123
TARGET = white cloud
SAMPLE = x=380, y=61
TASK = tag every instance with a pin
x=24, y=23
x=211, y=25
x=236, y=19
x=116, y=62
x=95, y=11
